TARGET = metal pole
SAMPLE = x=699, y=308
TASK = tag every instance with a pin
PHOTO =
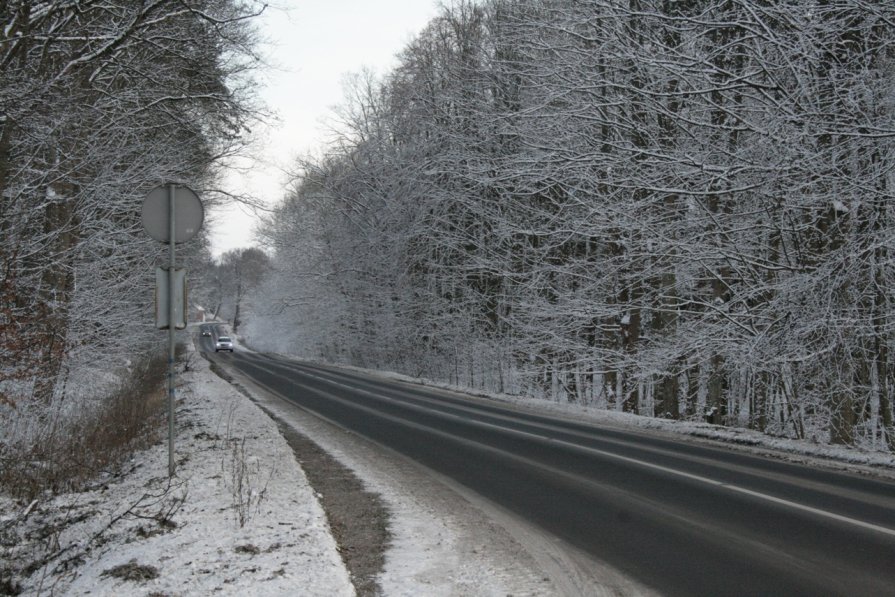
x=171, y=329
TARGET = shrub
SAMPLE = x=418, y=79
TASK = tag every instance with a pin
x=68, y=451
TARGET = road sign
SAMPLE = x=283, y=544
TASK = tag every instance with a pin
x=188, y=213
x=162, y=304
x=172, y=214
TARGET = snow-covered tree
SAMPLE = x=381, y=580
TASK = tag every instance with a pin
x=99, y=103
x=680, y=209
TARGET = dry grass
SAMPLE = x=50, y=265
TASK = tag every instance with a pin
x=132, y=571
x=68, y=455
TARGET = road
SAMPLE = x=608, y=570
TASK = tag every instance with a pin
x=682, y=518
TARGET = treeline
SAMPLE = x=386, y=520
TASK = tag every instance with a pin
x=99, y=103
x=224, y=286
x=682, y=209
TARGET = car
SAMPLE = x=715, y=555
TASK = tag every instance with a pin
x=223, y=343
x=206, y=332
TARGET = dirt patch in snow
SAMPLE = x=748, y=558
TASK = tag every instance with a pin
x=358, y=518
x=132, y=571
x=445, y=540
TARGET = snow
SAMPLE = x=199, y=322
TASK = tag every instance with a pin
x=234, y=466
x=881, y=463
x=284, y=543
x=444, y=541
x=442, y=544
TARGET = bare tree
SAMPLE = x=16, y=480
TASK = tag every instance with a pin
x=99, y=102
x=679, y=209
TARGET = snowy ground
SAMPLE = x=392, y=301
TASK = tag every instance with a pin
x=837, y=457
x=446, y=541
x=241, y=518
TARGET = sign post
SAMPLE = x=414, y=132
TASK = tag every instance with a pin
x=171, y=214
x=172, y=229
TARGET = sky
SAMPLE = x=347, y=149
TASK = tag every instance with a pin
x=311, y=45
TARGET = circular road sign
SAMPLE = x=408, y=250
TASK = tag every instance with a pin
x=188, y=214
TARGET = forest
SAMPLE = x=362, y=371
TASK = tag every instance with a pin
x=679, y=209
x=99, y=103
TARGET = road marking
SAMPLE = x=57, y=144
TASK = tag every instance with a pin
x=737, y=488
x=576, y=447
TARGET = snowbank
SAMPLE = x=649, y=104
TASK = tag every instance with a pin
x=882, y=463
x=238, y=519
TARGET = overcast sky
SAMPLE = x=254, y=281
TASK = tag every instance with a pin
x=313, y=44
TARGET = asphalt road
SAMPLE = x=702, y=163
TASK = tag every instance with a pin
x=683, y=518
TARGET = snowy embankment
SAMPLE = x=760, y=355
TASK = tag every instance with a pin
x=239, y=518
x=845, y=457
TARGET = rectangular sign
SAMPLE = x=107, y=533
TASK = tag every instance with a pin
x=161, y=298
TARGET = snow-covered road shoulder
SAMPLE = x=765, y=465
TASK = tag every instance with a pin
x=794, y=450
x=238, y=518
